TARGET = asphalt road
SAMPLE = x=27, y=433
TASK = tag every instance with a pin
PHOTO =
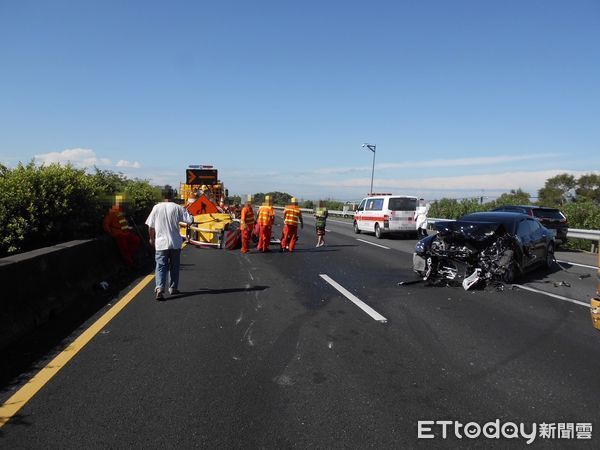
x=261, y=351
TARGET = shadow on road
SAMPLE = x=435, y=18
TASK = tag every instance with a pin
x=17, y=419
x=205, y=291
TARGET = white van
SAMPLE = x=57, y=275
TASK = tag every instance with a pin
x=386, y=213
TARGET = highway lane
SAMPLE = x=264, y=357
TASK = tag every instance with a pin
x=260, y=351
x=573, y=277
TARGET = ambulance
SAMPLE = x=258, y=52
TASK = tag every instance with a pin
x=386, y=213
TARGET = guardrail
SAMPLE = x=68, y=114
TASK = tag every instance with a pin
x=591, y=235
x=331, y=213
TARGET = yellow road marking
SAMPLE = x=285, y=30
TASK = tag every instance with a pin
x=26, y=393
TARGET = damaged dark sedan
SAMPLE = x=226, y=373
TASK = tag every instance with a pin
x=484, y=247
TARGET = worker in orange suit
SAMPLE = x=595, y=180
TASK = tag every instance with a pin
x=116, y=225
x=291, y=217
x=247, y=224
x=266, y=218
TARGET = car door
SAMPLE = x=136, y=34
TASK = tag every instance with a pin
x=373, y=214
x=537, y=239
x=358, y=216
x=524, y=232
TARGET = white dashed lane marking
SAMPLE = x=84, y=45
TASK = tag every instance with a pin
x=354, y=299
x=372, y=243
x=549, y=294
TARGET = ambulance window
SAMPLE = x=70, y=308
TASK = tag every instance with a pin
x=402, y=204
x=374, y=204
x=361, y=207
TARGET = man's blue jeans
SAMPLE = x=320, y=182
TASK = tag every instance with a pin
x=167, y=261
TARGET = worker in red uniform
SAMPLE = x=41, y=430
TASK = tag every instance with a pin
x=116, y=225
x=291, y=217
x=247, y=224
x=266, y=217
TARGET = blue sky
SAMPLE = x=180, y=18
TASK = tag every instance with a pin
x=461, y=98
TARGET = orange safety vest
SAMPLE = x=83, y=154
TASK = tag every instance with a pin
x=115, y=222
x=247, y=217
x=266, y=215
x=292, y=215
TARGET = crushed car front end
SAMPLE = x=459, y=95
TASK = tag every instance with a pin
x=467, y=253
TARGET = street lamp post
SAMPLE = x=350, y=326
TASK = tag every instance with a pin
x=371, y=147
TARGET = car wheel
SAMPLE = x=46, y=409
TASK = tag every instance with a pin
x=549, y=256
x=356, y=229
x=377, y=231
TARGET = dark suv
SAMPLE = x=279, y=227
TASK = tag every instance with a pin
x=549, y=217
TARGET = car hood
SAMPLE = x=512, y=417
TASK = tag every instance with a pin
x=477, y=231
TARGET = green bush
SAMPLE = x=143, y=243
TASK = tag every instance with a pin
x=308, y=204
x=585, y=215
x=333, y=205
x=140, y=197
x=278, y=198
x=48, y=204
x=450, y=208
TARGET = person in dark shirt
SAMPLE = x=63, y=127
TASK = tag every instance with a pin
x=321, y=222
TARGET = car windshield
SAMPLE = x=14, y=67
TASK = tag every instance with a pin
x=402, y=204
x=553, y=214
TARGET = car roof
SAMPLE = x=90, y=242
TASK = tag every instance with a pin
x=508, y=218
x=527, y=207
x=495, y=216
x=390, y=196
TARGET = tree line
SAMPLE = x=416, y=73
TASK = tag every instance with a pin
x=562, y=191
x=577, y=198
x=48, y=204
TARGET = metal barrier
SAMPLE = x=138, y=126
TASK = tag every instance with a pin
x=347, y=214
x=591, y=235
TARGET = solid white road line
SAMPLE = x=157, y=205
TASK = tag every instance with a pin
x=560, y=297
x=354, y=299
x=372, y=243
x=576, y=264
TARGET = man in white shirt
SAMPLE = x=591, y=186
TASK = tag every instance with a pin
x=163, y=224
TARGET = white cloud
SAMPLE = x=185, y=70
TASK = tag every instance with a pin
x=79, y=157
x=529, y=181
x=125, y=163
x=458, y=162
x=464, y=162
